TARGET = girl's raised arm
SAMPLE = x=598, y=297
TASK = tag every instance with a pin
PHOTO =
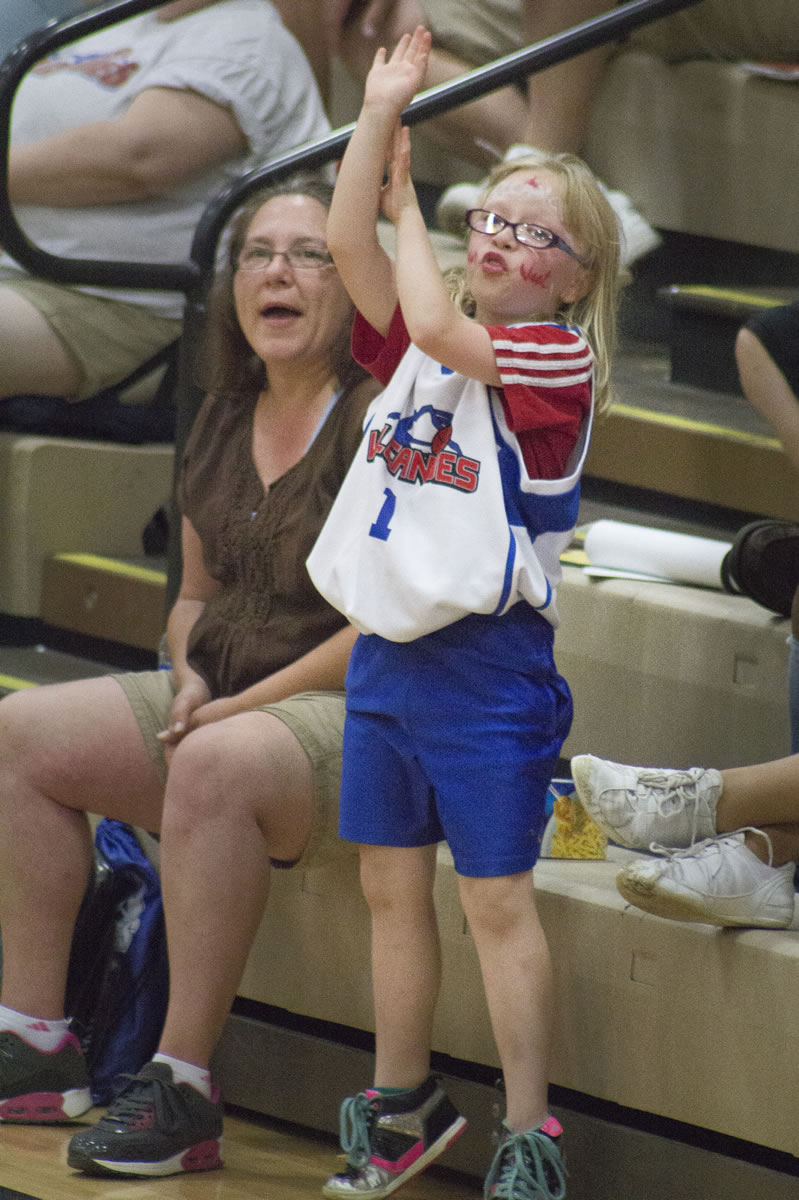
x=433, y=322
x=365, y=269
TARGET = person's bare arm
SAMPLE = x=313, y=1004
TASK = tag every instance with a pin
x=365, y=269
x=322, y=669
x=167, y=136
x=433, y=322
x=196, y=589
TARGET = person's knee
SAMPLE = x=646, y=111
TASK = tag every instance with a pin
x=201, y=776
x=216, y=772
x=496, y=904
x=357, y=51
x=18, y=723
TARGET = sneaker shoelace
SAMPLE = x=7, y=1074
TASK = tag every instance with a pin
x=355, y=1126
x=669, y=801
x=142, y=1096
x=527, y=1166
x=711, y=846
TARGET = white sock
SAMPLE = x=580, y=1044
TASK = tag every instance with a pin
x=186, y=1072
x=41, y=1033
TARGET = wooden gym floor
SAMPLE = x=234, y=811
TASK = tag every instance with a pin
x=265, y=1159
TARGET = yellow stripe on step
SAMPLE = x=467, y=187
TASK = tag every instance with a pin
x=114, y=567
x=12, y=684
x=717, y=293
x=689, y=424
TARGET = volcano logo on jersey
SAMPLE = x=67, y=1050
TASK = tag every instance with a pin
x=419, y=449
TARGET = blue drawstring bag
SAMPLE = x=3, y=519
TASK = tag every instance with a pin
x=118, y=981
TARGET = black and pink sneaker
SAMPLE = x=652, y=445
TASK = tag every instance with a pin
x=389, y=1139
x=529, y=1165
x=154, y=1127
x=42, y=1087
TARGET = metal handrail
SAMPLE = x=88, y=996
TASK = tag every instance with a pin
x=588, y=35
x=177, y=277
x=187, y=276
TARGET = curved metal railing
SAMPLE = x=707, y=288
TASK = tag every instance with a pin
x=193, y=276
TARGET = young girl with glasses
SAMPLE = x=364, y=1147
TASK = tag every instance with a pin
x=443, y=550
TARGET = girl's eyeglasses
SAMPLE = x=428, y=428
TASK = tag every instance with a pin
x=527, y=234
x=302, y=258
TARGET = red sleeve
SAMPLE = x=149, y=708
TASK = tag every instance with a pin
x=547, y=379
x=379, y=355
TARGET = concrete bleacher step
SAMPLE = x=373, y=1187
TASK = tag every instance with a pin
x=32, y=666
x=115, y=599
x=700, y=444
x=703, y=323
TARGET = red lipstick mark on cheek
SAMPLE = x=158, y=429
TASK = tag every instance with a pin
x=471, y=256
x=530, y=275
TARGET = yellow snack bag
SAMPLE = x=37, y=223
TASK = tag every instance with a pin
x=572, y=832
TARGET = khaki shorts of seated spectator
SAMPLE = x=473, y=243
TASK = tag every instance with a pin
x=727, y=30
x=315, y=718
x=108, y=339
x=730, y=30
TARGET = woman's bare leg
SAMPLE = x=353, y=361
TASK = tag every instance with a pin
x=239, y=792
x=33, y=359
x=559, y=99
x=65, y=750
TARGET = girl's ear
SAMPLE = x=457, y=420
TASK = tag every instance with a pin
x=581, y=285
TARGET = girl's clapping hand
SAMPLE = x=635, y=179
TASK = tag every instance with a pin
x=394, y=81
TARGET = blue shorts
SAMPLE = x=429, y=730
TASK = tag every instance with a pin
x=455, y=736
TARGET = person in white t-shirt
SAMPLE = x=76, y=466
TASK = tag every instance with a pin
x=119, y=141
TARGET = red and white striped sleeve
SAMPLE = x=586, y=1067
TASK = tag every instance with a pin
x=547, y=383
x=544, y=356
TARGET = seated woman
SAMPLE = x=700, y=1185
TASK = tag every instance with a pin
x=726, y=841
x=234, y=754
x=119, y=140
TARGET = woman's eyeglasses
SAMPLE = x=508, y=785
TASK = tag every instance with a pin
x=526, y=234
x=300, y=257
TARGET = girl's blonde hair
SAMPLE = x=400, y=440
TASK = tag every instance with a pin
x=588, y=215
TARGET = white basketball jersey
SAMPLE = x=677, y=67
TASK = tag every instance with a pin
x=437, y=516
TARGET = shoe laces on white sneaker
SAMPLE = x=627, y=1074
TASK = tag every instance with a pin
x=636, y=806
x=671, y=793
x=713, y=847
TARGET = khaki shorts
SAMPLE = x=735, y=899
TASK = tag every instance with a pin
x=719, y=29
x=106, y=338
x=315, y=718
x=475, y=33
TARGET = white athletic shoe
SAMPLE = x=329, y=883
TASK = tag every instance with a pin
x=718, y=882
x=636, y=806
x=638, y=238
x=637, y=235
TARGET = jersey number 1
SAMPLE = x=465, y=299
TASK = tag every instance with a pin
x=380, y=529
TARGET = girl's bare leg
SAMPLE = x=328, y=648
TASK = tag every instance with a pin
x=517, y=977
x=406, y=959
